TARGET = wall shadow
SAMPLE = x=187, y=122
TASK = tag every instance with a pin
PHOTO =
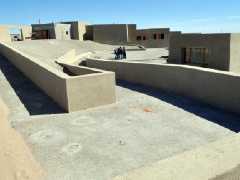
x=33, y=98
x=225, y=119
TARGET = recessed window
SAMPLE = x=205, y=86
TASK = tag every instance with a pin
x=162, y=36
x=194, y=55
x=155, y=36
x=139, y=38
x=144, y=38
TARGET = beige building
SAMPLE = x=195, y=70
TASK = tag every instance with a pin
x=153, y=38
x=78, y=30
x=113, y=33
x=217, y=51
x=51, y=31
x=15, y=32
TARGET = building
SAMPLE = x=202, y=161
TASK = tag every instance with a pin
x=51, y=31
x=118, y=34
x=153, y=38
x=217, y=51
x=10, y=33
x=113, y=33
x=78, y=30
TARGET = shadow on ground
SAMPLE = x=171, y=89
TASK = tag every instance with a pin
x=33, y=98
x=228, y=120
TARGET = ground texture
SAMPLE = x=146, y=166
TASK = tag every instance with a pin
x=143, y=127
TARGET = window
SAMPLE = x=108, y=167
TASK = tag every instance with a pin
x=67, y=32
x=139, y=38
x=162, y=36
x=194, y=55
x=155, y=36
x=144, y=38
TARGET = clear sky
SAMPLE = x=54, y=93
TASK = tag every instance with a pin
x=184, y=15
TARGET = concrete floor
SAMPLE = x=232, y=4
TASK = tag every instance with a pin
x=153, y=55
x=48, y=51
x=144, y=126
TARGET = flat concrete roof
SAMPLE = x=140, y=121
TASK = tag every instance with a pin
x=143, y=127
x=48, y=51
x=154, y=55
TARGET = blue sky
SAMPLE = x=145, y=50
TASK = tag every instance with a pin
x=184, y=15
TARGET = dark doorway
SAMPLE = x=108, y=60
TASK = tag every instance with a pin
x=184, y=55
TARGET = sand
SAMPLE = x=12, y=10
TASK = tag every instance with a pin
x=16, y=160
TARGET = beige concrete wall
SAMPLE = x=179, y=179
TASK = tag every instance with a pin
x=74, y=29
x=63, y=31
x=217, y=88
x=235, y=53
x=82, y=30
x=80, y=70
x=152, y=43
x=217, y=44
x=26, y=32
x=113, y=33
x=91, y=90
x=89, y=87
x=78, y=30
x=216, y=161
x=85, y=89
x=16, y=159
x=43, y=76
x=132, y=33
x=4, y=34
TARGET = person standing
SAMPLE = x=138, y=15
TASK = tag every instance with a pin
x=124, y=53
x=120, y=53
x=116, y=53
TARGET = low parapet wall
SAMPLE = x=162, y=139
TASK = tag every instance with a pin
x=45, y=77
x=16, y=159
x=90, y=88
x=217, y=88
x=216, y=161
x=72, y=93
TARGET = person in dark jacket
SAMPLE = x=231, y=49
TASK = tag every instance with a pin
x=124, y=54
x=120, y=52
x=116, y=53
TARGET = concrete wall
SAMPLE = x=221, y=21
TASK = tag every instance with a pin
x=217, y=44
x=216, y=161
x=113, y=33
x=217, y=88
x=63, y=31
x=49, y=27
x=93, y=88
x=132, y=33
x=89, y=87
x=82, y=30
x=56, y=31
x=72, y=93
x=150, y=42
x=43, y=76
x=4, y=34
x=26, y=32
x=89, y=33
x=16, y=159
x=235, y=53
x=78, y=30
